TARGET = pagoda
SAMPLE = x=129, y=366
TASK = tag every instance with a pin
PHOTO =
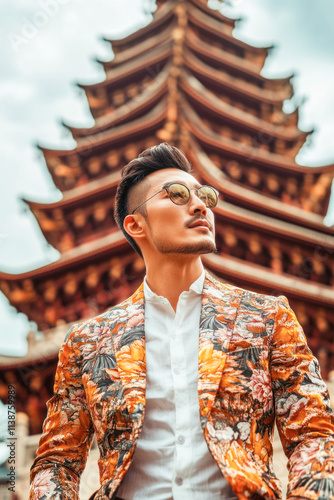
x=184, y=79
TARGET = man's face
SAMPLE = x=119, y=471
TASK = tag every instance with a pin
x=178, y=229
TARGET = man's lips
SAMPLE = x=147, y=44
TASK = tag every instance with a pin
x=200, y=223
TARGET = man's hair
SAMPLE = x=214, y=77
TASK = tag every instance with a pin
x=149, y=161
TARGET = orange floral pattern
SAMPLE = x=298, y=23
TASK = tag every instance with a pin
x=254, y=367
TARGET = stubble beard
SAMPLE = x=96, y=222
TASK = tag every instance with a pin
x=199, y=248
x=186, y=249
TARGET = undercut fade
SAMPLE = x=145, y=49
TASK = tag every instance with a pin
x=149, y=161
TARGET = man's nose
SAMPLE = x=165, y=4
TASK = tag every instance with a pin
x=196, y=204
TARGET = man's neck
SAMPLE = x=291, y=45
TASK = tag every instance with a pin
x=173, y=276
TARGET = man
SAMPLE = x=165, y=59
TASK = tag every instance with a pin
x=210, y=366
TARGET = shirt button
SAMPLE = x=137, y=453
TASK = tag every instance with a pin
x=181, y=439
x=179, y=481
x=176, y=370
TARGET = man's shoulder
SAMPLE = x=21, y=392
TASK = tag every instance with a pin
x=92, y=328
x=225, y=289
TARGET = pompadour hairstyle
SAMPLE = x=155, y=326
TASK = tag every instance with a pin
x=149, y=161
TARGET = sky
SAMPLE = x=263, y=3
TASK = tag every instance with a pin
x=47, y=46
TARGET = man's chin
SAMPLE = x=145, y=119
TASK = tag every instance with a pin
x=206, y=249
x=190, y=248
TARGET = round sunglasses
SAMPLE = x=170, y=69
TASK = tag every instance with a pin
x=180, y=195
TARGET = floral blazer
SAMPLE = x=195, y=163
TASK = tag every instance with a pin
x=254, y=366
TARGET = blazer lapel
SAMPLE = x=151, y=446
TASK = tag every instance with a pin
x=129, y=347
x=220, y=304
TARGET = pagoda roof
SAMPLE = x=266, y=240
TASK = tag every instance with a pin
x=239, y=86
x=253, y=274
x=80, y=194
x=214, y=27
x=276, y=208
x=244, y=151
x=163, y=14
x=148, y=48
x=245, y=88
x=45, y=348
x=126, y=112
x=194, y=89
x=142, y=126
x=86, y=252
x=223, y=144
x=245, y=67
x=189, y=84
x=128, y=69
x=272, y=226
x=203, y=6
x=138, y=50
x=156, y=89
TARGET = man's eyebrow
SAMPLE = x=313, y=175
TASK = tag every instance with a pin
x=165, y=184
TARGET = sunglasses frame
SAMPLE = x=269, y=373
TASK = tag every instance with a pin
x=167, y=186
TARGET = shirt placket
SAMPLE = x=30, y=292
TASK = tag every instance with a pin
x=182, y=410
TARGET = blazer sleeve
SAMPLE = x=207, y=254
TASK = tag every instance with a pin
x=67, y=432
x=304, y=416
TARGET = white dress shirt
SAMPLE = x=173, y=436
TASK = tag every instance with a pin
x=172, y=459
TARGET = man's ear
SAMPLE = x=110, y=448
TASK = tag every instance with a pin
x=133, y=226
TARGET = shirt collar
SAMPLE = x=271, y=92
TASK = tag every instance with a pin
x=196, y=287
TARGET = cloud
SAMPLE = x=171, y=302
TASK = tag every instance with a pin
x=303, y=46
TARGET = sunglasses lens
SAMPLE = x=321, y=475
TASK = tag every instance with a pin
x=178, y=194
x=208, y=196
